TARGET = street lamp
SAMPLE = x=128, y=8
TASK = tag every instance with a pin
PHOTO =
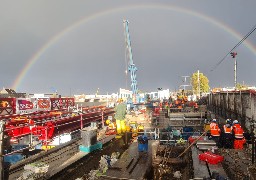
x=233, y=54
x=158, y=94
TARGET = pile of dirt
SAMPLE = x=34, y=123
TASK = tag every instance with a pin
x=90, y=162
x=237, y=163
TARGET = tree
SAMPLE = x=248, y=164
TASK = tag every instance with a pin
x=204, y=83
x=241, y=87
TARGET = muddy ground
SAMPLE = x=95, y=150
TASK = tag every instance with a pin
x=90, y=162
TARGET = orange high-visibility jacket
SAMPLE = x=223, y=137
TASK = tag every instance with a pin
x=215, y=130
x=227, y=129
x=238, y=131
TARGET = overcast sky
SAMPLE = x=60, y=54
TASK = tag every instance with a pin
x=81, y=44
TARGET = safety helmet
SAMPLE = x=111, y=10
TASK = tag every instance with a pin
x=228, y=121
x=107, y=121
x=235, y=121
x=214, y=120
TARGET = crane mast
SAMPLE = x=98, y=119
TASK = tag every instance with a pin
x=131, y=66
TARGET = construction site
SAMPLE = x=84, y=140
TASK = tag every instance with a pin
x=163, y=135
x=177, y=145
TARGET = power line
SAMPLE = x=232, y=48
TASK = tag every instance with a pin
x=238, y=44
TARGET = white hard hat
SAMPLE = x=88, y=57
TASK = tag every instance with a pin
x=214, y=120
x=235, y=121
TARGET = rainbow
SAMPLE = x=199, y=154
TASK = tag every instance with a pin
x=84, y=20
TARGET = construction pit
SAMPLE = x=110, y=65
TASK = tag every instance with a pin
x=166, y=158
x=167, y=165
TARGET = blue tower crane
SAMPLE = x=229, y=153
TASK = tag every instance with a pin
x=131, y=66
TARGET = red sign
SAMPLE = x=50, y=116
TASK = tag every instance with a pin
x=25, y=104
x=43, y=103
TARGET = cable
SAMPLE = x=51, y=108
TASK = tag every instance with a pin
x=238, y=44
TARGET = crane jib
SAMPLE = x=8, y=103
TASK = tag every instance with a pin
x=131, y=68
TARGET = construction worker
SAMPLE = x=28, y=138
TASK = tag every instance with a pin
x=215, y=132
x=111, y=129
x=227, y=136
x=120, y=117
x=140, y=128
x=176, y=133
x=195, y=107
x=239, y=135
x=161, y=106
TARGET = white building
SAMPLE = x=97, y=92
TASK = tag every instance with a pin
x=161, y=94
x=124, y=94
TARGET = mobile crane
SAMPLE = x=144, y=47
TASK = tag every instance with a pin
x=131, y=67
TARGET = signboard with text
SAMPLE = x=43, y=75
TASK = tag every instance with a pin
x=28, y=105
x=24, y=105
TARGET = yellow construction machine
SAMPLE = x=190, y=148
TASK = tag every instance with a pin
x=135, y=128
x=111, y=127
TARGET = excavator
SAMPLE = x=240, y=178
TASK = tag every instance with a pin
x=135, y=128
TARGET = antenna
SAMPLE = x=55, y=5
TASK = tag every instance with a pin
x=185, y=82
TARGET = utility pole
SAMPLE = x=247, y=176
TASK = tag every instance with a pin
x=233, y=54
x=185, y=83
x=198, y=80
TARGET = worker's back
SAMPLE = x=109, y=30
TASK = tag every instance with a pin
x=120, y=111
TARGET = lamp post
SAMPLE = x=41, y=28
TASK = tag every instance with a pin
x=185, y=84
x=233, y=54
x=158, y=93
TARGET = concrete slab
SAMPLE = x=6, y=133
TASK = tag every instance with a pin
x=206, y=147
x=133, y=164
x=200, y=167
x=54, y=170
x=206, y=142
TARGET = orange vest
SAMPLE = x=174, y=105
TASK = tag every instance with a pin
x=215, y=130
x=238, y=131
x=227, y=129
